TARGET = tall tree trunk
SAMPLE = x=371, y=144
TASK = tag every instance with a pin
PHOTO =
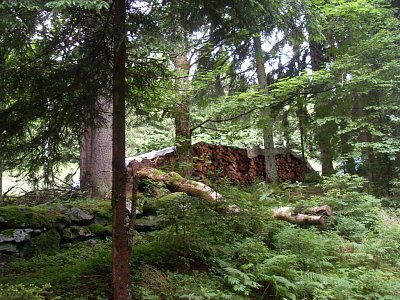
x=2, y=95
x=326, y=131
x=183, y=137
x=96, y=141
x=96, y=153
x=121, y=241
x=271, y=174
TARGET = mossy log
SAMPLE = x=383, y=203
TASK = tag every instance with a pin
x=292, y=215
x=176, y=183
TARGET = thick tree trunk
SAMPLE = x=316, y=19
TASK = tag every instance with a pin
x=96, y=141
x=271, y=174
x=96, y=154
x=121, y=241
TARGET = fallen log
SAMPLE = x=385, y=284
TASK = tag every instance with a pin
x=291, y=215
x=176, y=183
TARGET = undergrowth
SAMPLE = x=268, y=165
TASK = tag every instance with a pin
x=209, y=253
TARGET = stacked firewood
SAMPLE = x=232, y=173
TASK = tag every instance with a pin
x=216, y=161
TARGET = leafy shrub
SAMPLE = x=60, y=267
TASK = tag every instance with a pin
x=23, y=292
x=351, y=229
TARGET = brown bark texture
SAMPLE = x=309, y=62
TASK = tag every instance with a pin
x=121, y=242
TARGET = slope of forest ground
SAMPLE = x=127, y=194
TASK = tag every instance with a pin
x=207, y=253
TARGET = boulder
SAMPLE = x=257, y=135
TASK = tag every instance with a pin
x=48, y=243
x=9, y=248
x=78, y=215
x=16, y=235
x=76, y=232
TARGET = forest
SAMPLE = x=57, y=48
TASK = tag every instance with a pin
x=220, y=149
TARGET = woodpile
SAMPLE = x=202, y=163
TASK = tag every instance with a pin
x=216, y=161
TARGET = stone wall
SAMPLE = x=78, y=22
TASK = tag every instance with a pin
x=44, y=229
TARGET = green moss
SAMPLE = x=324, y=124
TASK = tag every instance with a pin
x=158, y=172
x=8, y=232
x=175, y=177
x=48, y=243
x=195, y=183
x=103, y=210
x=15, y=217
x=57, y=216
x=171, y=197
x=77, y=232
x=100, y=230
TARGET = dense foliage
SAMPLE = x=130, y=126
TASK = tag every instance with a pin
x=208, y=254
x=331, y=91
x=316, y=76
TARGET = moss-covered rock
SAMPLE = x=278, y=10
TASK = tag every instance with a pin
x=102, y=213
x=76, y=232
x=100, y=230
x=9, y=248
x=8, y=232
x=23, y=217
x=47, y=243
x=16, y=235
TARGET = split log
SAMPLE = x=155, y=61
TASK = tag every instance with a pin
x=176, y=183
x=217, y=161
x=289, y=214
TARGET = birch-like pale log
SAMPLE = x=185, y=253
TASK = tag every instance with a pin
x=289, y=214
x=176, y=183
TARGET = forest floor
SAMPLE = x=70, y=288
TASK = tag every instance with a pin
x=206, y=253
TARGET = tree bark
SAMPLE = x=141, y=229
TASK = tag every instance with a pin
x=183, y=138
x=271, y=174
x=289, y=214
x=96, y=140
x=2, y=95
x=96, y=153
x=176, y=183
x=121, y=241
